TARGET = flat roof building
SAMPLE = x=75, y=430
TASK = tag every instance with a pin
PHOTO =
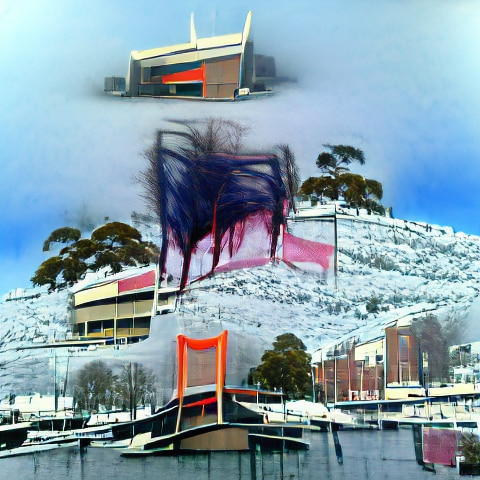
x=221, y=67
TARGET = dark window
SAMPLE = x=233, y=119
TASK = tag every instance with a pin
x=142, y=322
x=107, y=324
x=179, y=67
x=125, y=323
x=95, y=327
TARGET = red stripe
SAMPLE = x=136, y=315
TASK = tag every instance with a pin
x=207, y=401
x=189, y=76
x=139, y=281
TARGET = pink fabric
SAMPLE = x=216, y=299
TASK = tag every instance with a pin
x=249, y=242
x=247, y=245
x=439, y=445
x=135, y=283
x=244, y=263
x=297, y=249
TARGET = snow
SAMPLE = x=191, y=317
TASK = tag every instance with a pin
x=412, y=268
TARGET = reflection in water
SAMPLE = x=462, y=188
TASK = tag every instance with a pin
x=338, y=447
x=347, y=455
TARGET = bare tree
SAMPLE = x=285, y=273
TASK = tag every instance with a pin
x=93, y=384
x=215, y=135
x=290, y=173
x=149, y=177
x=136, y=385
x=191, y=140
x=431, y=337
x=454, y=327
x=198, y=171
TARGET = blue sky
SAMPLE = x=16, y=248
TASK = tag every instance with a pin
x=398, y=79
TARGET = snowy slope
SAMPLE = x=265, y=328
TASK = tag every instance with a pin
x=411, y=269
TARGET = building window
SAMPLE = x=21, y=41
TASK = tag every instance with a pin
x=404, y=357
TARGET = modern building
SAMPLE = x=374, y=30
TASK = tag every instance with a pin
x=221, y=67
x=386, y=367
x=464, y=368
x=390, y=365
x=467, y=354
x=120, y=310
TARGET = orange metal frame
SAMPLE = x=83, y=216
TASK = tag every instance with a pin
x=220, y=345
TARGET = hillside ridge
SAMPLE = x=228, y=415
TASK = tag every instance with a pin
x=387, y=268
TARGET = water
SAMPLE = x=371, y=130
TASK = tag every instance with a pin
x=368, y=454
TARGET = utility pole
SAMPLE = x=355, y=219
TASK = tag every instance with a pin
x=55, y=380
x=335, y=259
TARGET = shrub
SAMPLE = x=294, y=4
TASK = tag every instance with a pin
x=470, y=446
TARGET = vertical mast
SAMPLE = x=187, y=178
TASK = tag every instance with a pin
x=335, y=259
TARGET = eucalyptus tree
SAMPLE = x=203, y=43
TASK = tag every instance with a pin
x=337, y=182
x=286, y=367
x=113, y=245
x=336, y=159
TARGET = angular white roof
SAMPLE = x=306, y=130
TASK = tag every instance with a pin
x=198, y=44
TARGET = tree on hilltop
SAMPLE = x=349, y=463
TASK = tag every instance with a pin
x=114, y=245
x=338, y=182
x=119, y=245
x=62, y=235
x=48, y=272
x=335, y=161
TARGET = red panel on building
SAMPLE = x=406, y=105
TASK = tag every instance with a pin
x=391, y=335
x=136, y=283
x=197, y=75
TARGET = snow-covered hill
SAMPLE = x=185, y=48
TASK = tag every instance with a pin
x=404, y=268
